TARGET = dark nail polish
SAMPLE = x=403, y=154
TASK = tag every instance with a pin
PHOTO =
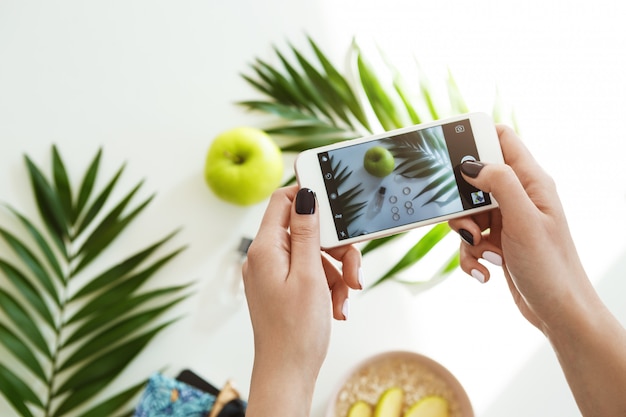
x=471, y=168
x=467, y=237
x=305, y=201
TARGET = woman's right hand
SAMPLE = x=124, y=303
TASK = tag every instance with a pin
x=528, y=234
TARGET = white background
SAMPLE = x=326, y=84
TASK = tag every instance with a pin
x=152, y=82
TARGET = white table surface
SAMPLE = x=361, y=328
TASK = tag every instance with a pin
x=153, y=82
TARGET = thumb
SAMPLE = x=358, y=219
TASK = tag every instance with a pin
x=501, y=181
x=304, y=229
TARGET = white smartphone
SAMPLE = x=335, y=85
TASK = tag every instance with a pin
x=395, y=181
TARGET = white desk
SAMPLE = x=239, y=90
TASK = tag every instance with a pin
x=154, y=81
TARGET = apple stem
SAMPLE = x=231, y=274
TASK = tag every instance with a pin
x=235, y=158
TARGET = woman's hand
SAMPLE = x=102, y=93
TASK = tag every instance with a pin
x=293, y=291
x=528, y=235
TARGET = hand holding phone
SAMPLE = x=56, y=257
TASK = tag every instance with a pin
x=392, y=182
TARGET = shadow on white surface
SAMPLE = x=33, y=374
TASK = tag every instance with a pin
x=540, y=389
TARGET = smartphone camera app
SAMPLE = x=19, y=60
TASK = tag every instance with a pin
x=400, y=179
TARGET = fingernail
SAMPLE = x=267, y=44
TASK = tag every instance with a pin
x=361, y=278
x=480, y=277
x=345, y=309
x=305, y=201
x=471, y=168
x=493, y=258
x=467, y=237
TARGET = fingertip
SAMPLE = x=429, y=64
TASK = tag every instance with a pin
x=304, y=227
x=471, y=266
x=361, y=278
x=472, y=168
x=467, y=229
x=350, y=258
x=503, y=129
x=493, y=258
x=345, y=309
x=341, y=307
x=501, y=181
x=478, y=275
x=305, y=201
x=466, y=237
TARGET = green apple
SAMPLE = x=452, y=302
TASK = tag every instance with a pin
x=243, y=166
x=360, y=409
x=378, y=161
x=429, y=406
x=390, y=403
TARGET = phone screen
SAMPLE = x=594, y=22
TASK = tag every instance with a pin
x=400, y=179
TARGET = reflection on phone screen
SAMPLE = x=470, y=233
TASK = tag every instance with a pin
x=400, y=179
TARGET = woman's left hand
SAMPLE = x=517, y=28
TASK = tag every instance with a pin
x=293, y=289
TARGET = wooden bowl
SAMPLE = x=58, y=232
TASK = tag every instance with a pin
x=416, y=374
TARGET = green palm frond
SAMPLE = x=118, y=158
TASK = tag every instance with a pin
x=315, y=104
x=424, y=155
x=352, y=208
x=71, y=331
x=418, y=251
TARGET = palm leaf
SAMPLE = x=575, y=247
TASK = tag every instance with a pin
x=328, y=91
x=33, y=264
x=87, y=185
x=21, y=351
x=316, y=101
x=427, y=96
x=423, y=155
x=62, y=185
x=456, y=98
x=104, y=367
x=49, y=206
x=447, y=268
x=447, y=188
x=343, y=89
x=112, y=321
x=122, y=289
x=95, y=208
x=123, y=306
x=418, y=251
x=110, y=227
x=381, y=102
x=121, y=269
x=17, y=392
x=28, y=291
x=310, y=102
x=114, y=333
x=373, y=244
x=352, y=208
x=113, y=404
x=42, y=245
x=23, y=321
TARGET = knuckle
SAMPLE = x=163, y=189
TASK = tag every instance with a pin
x=303, y=231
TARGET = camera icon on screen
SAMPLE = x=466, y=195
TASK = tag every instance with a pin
x=459, y=128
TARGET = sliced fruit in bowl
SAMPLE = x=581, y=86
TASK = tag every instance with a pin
x=360, y=409
x=399, y=384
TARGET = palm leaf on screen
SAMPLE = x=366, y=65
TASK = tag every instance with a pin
x=352, y=207
x=424, y=156
x=70, y=325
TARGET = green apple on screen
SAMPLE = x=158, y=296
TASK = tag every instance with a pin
x=378, y=161
x=243, y=166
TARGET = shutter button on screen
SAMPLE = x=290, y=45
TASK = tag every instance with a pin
x=468, y=158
